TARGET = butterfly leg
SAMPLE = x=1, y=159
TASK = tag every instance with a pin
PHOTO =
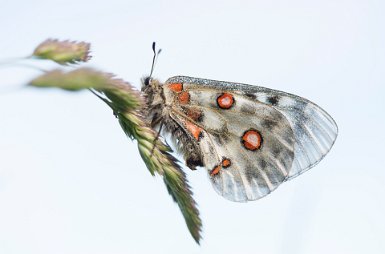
x=156, y=138
x=185, y=143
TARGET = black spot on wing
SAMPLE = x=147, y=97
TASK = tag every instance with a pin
x=273, y=100
x=250, y=96
x=268, y=124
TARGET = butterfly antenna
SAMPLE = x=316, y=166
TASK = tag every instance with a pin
x=155, y=57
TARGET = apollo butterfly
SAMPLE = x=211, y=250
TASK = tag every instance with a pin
x=250, y=139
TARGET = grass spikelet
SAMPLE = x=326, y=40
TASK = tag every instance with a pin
x=63, y=52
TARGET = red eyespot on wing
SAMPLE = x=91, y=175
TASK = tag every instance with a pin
x=226, y=163
x=225, y=101
x=252, y=140
x=215, y=170
x=176, y=87
x=196, y=131
x=184, y=97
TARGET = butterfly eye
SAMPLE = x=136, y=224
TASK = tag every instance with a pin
x=252, y=140
x=146, y=81
x=225, y=101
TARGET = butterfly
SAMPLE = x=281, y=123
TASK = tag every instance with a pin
x=250, y=139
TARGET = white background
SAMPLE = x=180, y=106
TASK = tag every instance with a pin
x=71, y=182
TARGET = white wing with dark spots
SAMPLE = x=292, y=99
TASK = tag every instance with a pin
x=314, y=129
x=249, y=174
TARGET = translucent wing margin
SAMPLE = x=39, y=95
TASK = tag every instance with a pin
x=315, y=130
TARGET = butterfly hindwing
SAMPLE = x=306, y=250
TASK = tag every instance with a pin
x=246, y=146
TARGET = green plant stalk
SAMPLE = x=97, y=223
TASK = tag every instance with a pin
x=158, y=159
x=127, y=104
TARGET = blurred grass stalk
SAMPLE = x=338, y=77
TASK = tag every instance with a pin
x=63, y=52
x=127, y=105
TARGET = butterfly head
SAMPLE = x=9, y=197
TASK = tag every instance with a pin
x=152, y=88
x=153, y=92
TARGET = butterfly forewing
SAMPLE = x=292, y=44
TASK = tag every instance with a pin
x=247, y=146
x=314, y=130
